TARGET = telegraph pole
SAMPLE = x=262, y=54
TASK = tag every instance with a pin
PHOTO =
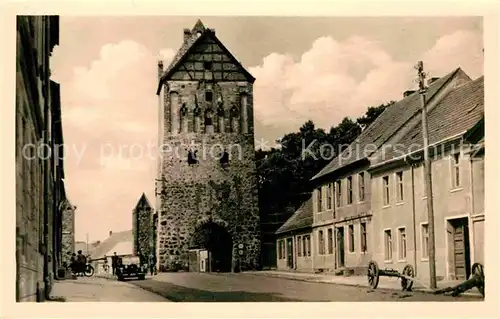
x=428, y=176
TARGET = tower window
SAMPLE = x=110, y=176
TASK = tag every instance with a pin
x=207, y=65
x=208, y=96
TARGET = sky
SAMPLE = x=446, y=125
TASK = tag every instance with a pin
x=306, y=68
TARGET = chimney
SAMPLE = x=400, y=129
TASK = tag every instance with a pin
x=432, y=80
x=110, y=232
x=187, y=34
x=160, y=68
x=408, y=93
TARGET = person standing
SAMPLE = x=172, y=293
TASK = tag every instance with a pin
x=152, y=264
x=114, y=262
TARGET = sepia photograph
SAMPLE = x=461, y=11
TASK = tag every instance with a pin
x=212, y=158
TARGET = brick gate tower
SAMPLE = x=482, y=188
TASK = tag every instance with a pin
x=206, y=187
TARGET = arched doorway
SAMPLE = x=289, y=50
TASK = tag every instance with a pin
x=218, y=242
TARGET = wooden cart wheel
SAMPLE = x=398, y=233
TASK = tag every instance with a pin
x=478, y=270
x=406, y=283
x=373, y=274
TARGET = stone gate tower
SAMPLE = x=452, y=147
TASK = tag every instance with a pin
x=206, y=186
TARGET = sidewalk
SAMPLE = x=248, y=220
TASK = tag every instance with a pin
x=358, y=281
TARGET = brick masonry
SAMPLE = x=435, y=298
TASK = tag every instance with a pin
x=68, y=231
x=142, y=218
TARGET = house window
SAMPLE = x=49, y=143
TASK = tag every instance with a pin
x=304, y=245
x=208, y=96
x=330, y=241
x=281, y=247
x=399, y=185
x=387, y=244
x=385, y=180
x=321, y=243
x=456, y=170
x=351, y=238
x=319, y=201
x=308, y=245
x=339, y=193
x=349, y=190
x=361, y=184
x=299, y=246
x=207, y=65
x=329, y=197
x=402, y=243
x=425, y=241
x=363, y=237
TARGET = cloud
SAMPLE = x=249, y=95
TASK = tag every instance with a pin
x=461, y=48
x=109, y=121
x=334, y=79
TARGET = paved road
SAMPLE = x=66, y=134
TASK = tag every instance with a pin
x=203, y=287
x=99, y=289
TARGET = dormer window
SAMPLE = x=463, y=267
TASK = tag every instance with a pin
x=207, y=65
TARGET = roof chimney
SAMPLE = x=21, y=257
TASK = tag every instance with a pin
x=408, y=93
x=110, y=232
x=160, y=68
x=432, y=80
x=187, y=34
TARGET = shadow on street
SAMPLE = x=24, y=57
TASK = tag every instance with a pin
x=179, y=293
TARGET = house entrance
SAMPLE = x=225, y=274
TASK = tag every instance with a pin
x=458, y=248
x=340, y=247
x=217, y=241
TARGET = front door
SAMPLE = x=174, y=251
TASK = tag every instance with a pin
x=461, y=248
x=340, y=247
x=289, y=252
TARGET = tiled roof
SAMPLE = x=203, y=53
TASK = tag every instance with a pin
x=302, y=218
x=386, y=124
x=110, y=242
x=455, y=114
x=189, y=43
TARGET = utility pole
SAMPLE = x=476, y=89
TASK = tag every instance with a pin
x=428, y=176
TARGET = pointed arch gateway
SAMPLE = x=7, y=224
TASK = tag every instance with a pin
x=213, y=236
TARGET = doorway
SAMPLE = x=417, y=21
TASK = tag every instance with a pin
x=289, y=252
x=217, y=242
x=457, y=235
x=340, y=247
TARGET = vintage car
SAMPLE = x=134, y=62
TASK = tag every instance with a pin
x=130, y=267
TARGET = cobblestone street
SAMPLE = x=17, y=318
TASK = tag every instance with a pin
x=204, y=287
x=100, y=289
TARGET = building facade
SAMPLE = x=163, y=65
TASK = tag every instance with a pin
x=344, y=235
x=399, y=201
x=39, y=164
x=206, y=186
x=293, y=240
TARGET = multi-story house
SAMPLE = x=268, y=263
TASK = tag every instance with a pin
x=342, y=228
x=39, y=174
x=399, y=203
x=293, y=246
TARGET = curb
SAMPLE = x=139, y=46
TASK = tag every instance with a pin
x=422, y=290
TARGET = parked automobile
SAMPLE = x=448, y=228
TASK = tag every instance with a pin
x=130, y=267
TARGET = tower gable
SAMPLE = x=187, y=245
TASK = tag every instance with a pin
x=202, y=56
